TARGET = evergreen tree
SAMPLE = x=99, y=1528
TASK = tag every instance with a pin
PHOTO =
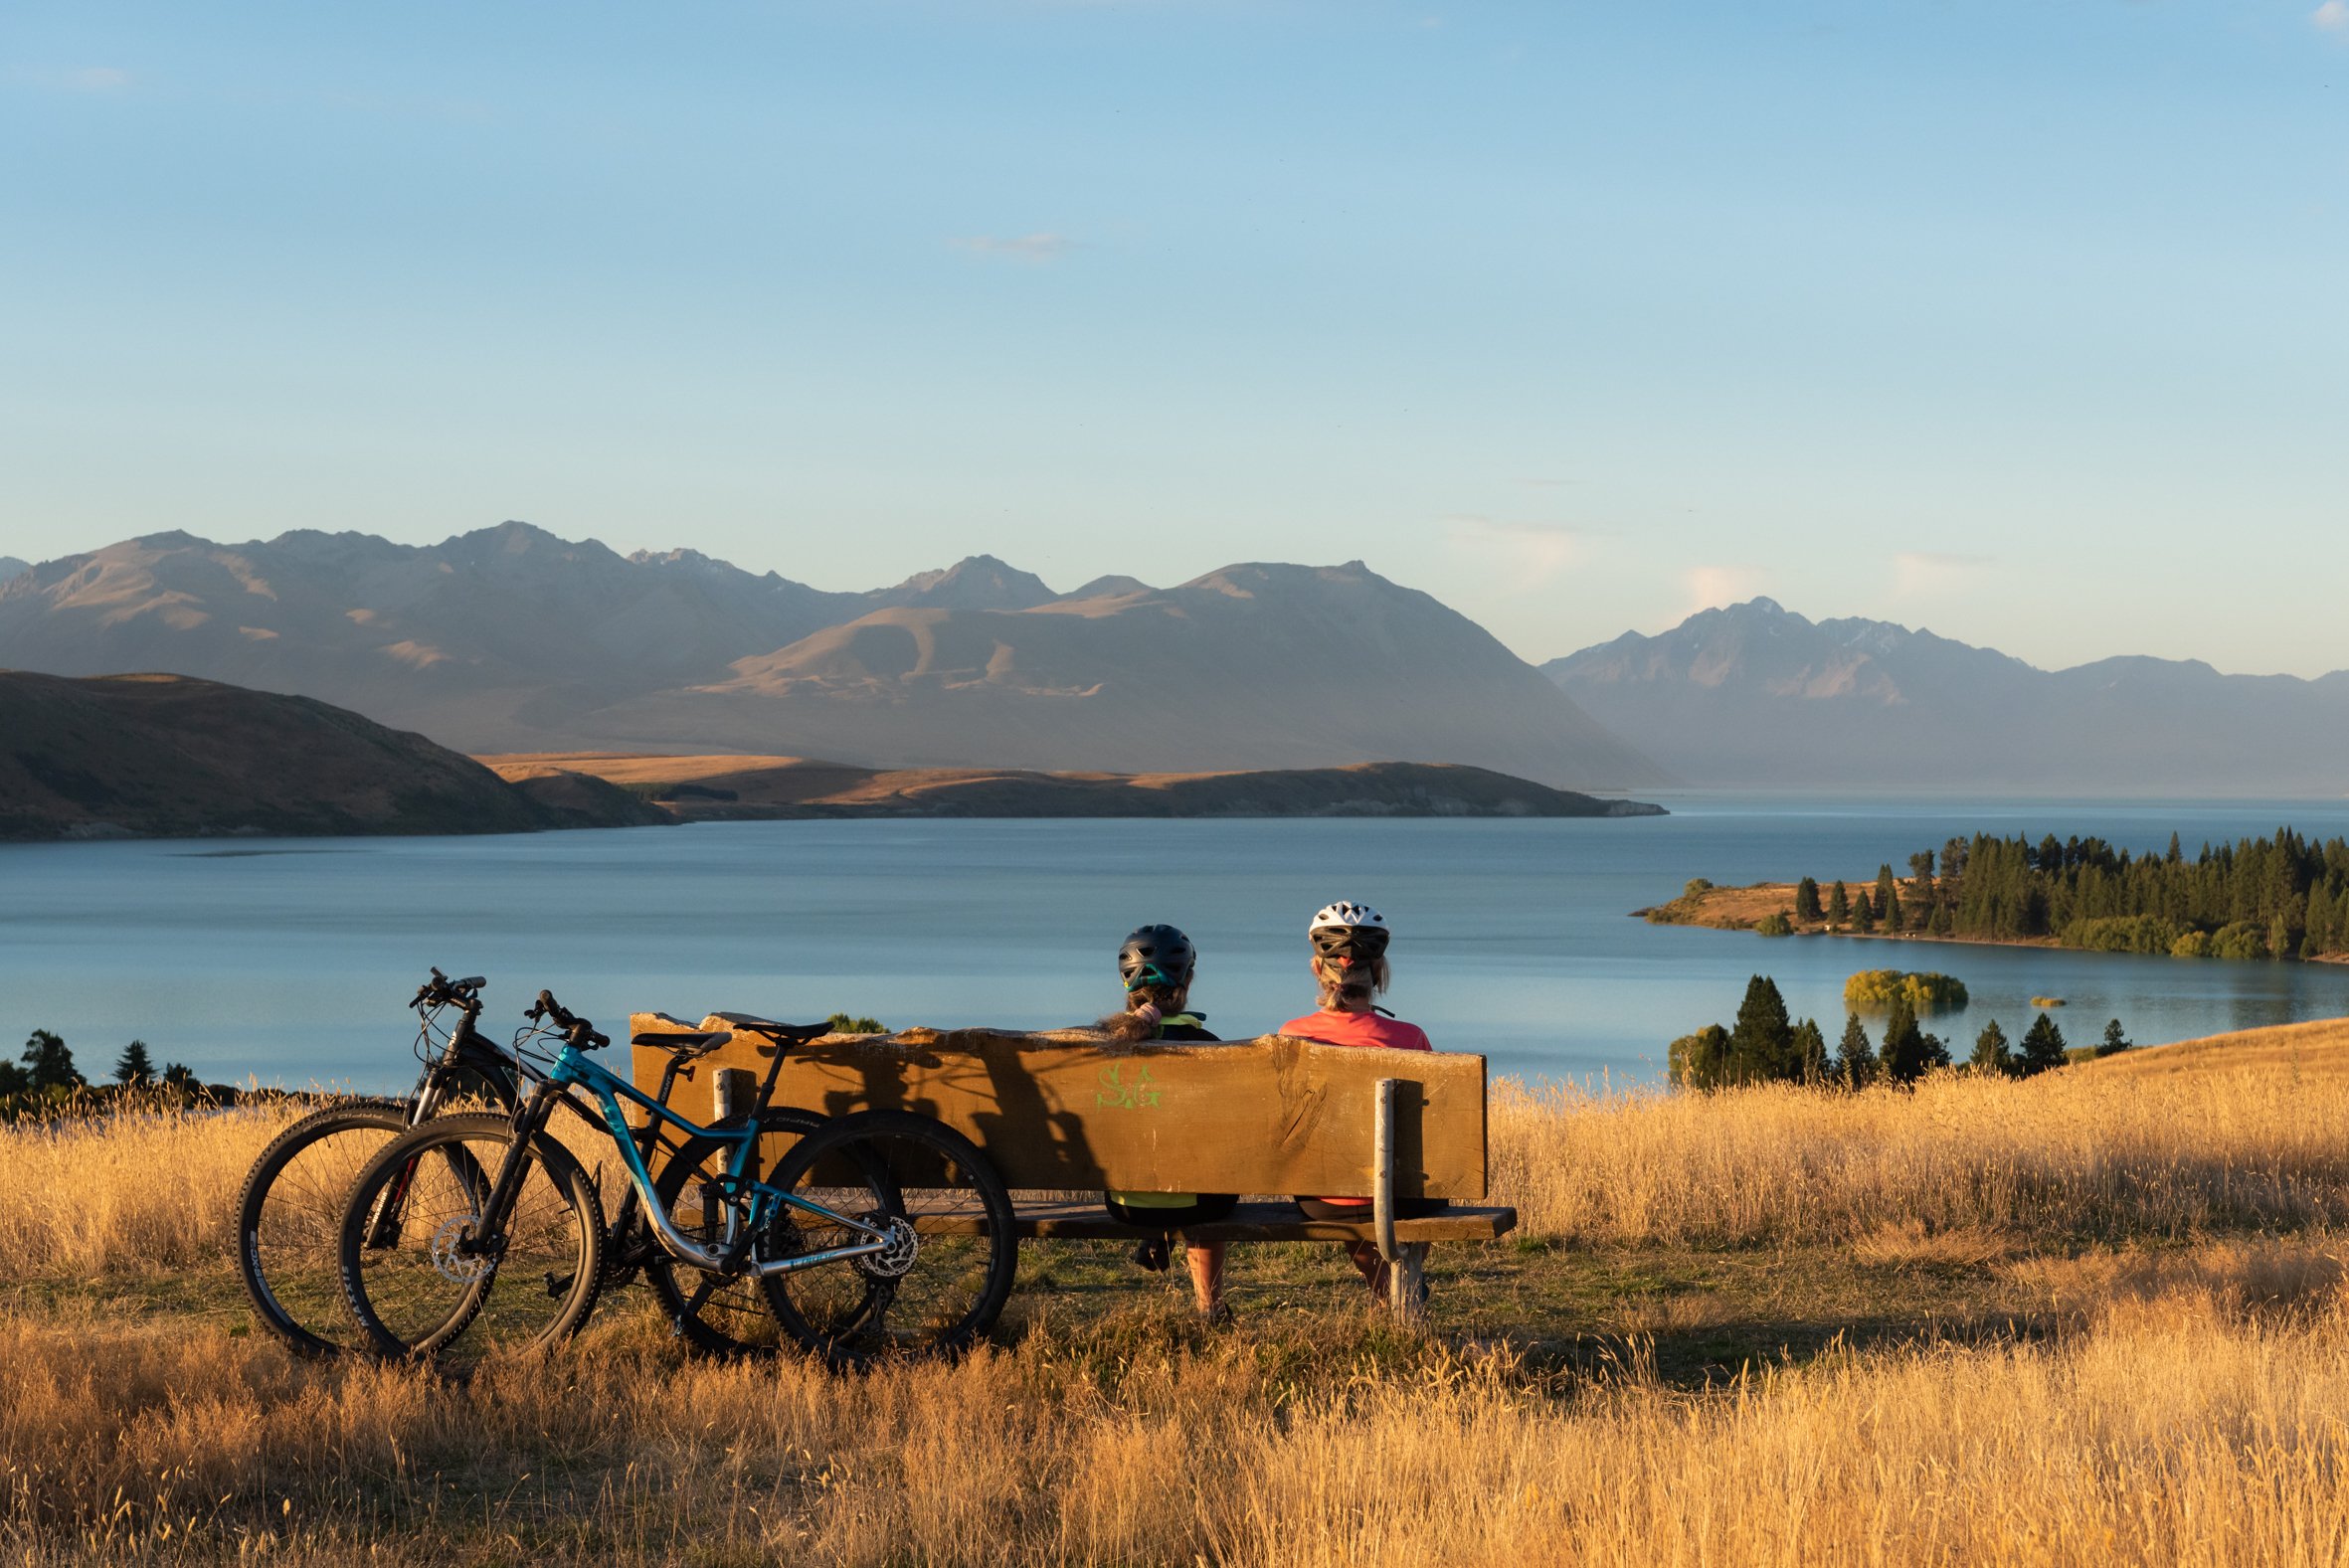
x=1806, y=899
x=48, y=1064
x=2114, y=1041
x=1887, y=897
x=13, y=1079
x=1839, y=903
x=2043, y=1047
x=1854, y=1061
x=1920, y=865
x=134, y=1066
x=1761, y=1046
x=178, y=1075
x=1991, y=1055
x=1944, y=920
x=1810, y=1050
x=1863, y=914
x=1700, y=1060
x=1908, y=1052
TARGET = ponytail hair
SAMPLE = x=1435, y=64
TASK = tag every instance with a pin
x=1352, y=987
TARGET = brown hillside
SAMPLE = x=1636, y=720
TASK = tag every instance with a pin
x=166, y=756
x=728, y=787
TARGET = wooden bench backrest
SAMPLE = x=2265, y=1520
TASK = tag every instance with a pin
x=1270, y=1116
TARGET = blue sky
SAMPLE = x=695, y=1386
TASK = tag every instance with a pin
x=2029, y=322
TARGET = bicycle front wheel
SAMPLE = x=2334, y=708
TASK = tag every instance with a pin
x=424, y=1276
x=290, y=1221
x=940, y=1279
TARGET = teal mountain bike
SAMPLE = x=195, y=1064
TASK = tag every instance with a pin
x=878, y=1234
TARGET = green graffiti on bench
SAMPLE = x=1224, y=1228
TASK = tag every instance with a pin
x=1140, y=1095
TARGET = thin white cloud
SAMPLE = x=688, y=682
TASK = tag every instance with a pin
x=1928, y=570
x=97, y=79
x=2332, y=16
x=1714, y=587
x=1033, y=249
x=1529, y=554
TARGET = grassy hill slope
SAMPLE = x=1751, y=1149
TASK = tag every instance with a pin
x=166, y=756
x=729, y=787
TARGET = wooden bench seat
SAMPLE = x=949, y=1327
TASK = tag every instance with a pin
x=1073, y=1113
x=1071, y=1219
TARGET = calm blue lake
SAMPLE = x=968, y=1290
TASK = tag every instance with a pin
x=291, y=960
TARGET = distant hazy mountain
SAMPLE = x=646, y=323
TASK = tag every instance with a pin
x=10, y=567
x=1253, y=667
x=512, y=639
x=1755, y=694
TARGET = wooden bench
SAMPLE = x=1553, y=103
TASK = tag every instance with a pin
x=1065, y=1115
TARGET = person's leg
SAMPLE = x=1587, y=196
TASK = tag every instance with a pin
x=1207, y=1274
x=1364, y=1255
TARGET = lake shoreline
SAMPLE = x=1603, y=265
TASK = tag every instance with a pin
x=1744, y=908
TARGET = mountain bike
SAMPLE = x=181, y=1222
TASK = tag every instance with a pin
x=290, y=1212
x=880, y=1234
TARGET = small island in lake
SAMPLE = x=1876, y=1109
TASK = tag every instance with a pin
x=2285, y=897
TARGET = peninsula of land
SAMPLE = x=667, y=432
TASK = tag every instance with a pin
x=729, y=788
x=2279, y=897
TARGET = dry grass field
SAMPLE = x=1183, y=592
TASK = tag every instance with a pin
x=2094, y=1318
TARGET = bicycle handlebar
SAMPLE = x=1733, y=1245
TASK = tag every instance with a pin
x=441, y=991
x=577, y=1031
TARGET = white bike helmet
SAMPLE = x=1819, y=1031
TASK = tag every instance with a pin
x=1346, y=930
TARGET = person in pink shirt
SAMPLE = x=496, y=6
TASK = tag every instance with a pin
x=1350, y=965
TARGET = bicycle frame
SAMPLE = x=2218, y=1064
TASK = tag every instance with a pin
x=574, y=1070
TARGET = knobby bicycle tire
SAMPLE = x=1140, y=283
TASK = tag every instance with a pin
x=307, y=1314
x=562, y=1225
x=923, y=1181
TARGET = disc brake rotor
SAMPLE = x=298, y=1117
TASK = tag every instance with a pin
x=461, y=1266
x=897, y=1252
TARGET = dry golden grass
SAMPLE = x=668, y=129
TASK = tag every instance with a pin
x=2175, y=1426
x=2079, y=1153
x=2294, y=1052
x=2173, y=1390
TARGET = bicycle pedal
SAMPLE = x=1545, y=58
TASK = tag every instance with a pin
x=556, y=1289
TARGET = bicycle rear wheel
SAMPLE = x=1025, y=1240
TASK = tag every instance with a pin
x=733, y=1317
x=941, y=1282
x=290, y=1221
x=422, y=1279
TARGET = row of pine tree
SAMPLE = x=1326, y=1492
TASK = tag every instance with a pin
x=2285, y=897
x=1768, y=1046
x=45, y=1067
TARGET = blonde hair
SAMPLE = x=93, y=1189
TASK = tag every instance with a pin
x=1357, y=984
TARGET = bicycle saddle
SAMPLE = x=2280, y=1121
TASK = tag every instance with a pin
x=796, y=1033
x=685, y=1044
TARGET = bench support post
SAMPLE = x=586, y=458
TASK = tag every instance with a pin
x=1406, y=1277
x=1406, y=1262
x=1383, y=1168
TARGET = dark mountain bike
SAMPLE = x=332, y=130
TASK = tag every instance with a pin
x=878, y=1234
x=290, y=1213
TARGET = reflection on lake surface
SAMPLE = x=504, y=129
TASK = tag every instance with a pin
x=293, y=960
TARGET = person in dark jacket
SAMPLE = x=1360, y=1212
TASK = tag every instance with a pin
x=1156, y=963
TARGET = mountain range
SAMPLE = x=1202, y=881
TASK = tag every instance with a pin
x=1756, y=695
x=512, y=639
